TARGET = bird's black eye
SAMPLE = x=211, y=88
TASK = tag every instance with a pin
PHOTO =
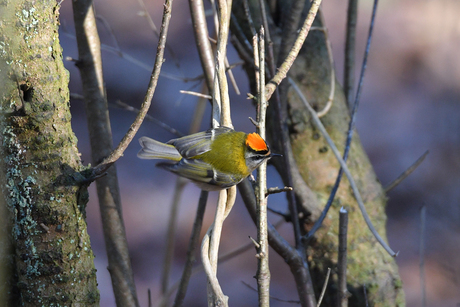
x=259, y=157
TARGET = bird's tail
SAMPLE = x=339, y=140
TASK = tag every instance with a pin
x=152, y=149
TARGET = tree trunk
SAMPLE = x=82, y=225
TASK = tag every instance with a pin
x=44, y=188
x=368, y=264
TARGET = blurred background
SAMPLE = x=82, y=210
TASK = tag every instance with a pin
x=410, y=104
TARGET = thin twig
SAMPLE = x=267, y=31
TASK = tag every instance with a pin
x=330, y=99
x=244, y=46
x=295, y=260
x=349, y=70
x=263, y=271
x=342, y=261
x=365, y=296
x=154, y=28
x=231, y=77
x=358, y=198
x=351, y=124
x=407, y=172
x=118, y=152
x=199, y=268
x=120, y=104
x=196, y=94
x=118, y=52
x=324, y=287
x=171, y=234
x=284, y=68
x=276, y=190
x=194, y=239
x=249, y=18
x=422, y=254
x=272, y=297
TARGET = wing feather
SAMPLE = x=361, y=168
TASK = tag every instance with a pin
x=198, y=143
x=202, y=173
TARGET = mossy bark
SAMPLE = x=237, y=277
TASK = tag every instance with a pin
x=42, y=185
x=368, y=264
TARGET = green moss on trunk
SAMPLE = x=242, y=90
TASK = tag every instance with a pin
x=53, y=257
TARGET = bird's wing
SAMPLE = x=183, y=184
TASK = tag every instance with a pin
x=195, y=144
x=201, y=172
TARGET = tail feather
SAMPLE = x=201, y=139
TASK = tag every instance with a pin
x=152, y=149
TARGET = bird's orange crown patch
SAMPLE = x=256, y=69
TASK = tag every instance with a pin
x=255, y=142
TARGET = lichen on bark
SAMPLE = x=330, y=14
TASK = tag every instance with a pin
x=53, y=260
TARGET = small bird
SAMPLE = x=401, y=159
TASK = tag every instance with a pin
x=215, y=159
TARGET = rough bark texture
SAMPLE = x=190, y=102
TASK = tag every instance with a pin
x=52, y=259
x=368, y=264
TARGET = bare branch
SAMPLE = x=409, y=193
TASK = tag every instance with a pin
x=272, y=297
x=171, y=234
x=422, y=254
x=220, y=298
x=120, y=104
x=407, y=172
x=194, y=239
x=342, y=261
x=324, y=287
x=200, y=30
x=263, y=270
x=196, y=94
x=295, y=260
x=323, y=131
x=284, y=68
x=276, y=190
x=349, y=70
x=118, y=152
x=349, y=133
x=330, y=99
x=90, y=65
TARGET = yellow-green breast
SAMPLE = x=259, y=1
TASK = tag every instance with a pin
x=227, y=153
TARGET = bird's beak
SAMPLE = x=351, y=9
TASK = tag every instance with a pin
x=275, y=155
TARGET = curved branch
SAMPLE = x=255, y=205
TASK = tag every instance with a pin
x=284, y=68
x=118, y=152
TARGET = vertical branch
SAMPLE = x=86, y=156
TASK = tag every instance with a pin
x=220, y=117
x=342, y=261
x=202, y=41
x=263, y=272
x=422, y=254
x=296, y=261
x=180, y=184
x=90, y=65
x=171, y=234
x=194, y=237
x=220, y=79
x=349, y=71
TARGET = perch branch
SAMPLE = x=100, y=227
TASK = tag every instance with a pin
x=263, y=270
